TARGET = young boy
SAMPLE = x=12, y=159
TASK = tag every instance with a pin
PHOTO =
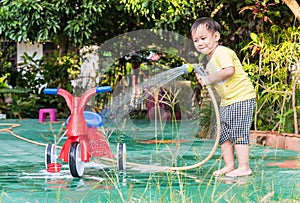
x=237, y=94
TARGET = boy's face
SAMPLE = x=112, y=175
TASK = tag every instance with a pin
x=205, y=42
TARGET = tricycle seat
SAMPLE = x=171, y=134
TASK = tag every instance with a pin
x=92, y=119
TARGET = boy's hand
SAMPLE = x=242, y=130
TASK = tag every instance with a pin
x=203, y=80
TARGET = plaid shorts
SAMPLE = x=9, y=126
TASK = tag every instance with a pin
x=236, y=122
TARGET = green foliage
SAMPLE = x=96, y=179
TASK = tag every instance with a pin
x=4, y=62
x=3, y=81
x=169, y=15
x=6, y=53
x=73, y=24
x=21, y=106
x=68, y=23
x=28, y=20
x=273, y=65
x=53, y=71
x=264, y=13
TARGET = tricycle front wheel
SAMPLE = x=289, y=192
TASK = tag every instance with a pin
x=75, y=164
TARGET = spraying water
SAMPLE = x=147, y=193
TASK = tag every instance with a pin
x=163, y=154
x=125, y=102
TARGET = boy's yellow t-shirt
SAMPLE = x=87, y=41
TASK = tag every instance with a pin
x=236, y=88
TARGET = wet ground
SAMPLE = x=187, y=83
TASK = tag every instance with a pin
x=23, y=177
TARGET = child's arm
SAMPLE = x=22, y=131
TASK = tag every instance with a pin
x=221, y=75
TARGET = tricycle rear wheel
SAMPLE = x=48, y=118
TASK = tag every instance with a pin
x=50, y=154
x=121, y=156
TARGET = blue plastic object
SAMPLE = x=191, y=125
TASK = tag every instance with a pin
x=51, y=90
x=103, y=89
x=92, y=119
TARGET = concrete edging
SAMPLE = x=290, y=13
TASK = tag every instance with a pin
x=286, y=141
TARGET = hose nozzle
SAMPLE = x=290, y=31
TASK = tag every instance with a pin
x=188, y=68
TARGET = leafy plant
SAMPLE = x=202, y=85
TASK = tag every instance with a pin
x=3, y=81
x=275, y=72
x=32, y=76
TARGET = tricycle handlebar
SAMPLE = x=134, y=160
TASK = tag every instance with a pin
x=98, y=90
x=103, y=89
x=51, y=90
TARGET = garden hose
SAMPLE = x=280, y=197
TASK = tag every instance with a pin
x=10, y=130
x=188, y=68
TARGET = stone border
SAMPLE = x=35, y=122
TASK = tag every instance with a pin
x=286, y=141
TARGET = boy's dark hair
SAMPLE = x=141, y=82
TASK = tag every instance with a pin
x=211, y=25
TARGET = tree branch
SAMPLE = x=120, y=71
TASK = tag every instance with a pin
x=294, y=6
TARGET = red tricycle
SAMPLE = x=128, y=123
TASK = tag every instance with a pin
x=83, y=139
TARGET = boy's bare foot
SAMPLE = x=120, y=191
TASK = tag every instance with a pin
x=239, y=172
x=223, y=171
